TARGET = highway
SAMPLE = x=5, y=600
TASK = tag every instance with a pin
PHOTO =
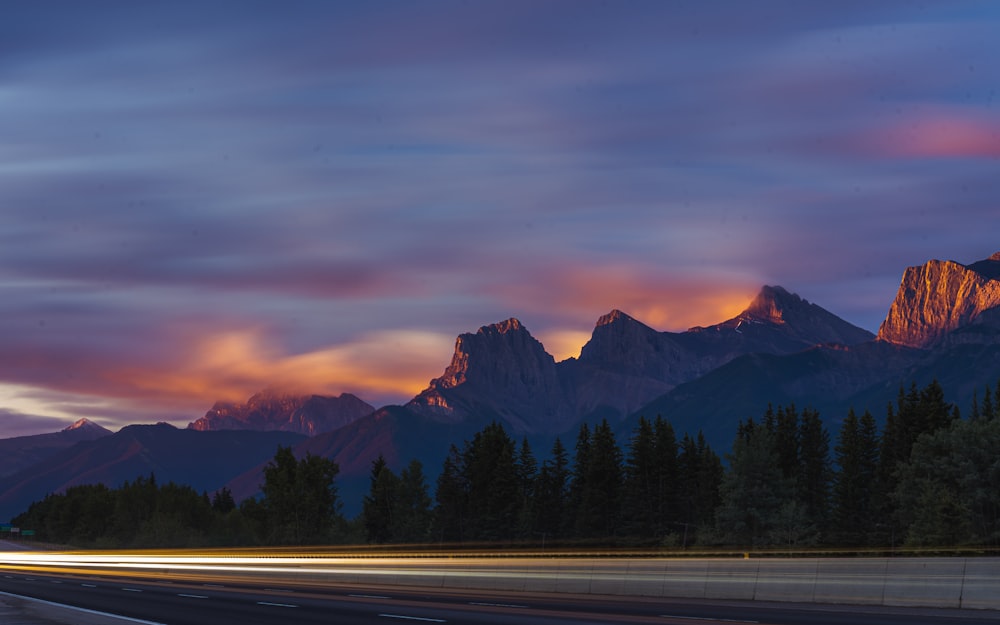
x=219, y=602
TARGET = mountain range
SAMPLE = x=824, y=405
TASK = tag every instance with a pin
x=944, y=324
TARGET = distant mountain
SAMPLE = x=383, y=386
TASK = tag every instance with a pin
x=500, y=372
x=274, y=410
x=19, y=452
x=627, y=364
x=397, y=433
x=203, y=460
x=940, y=297
x=944, y=325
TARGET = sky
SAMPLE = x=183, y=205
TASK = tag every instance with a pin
x=199, y=200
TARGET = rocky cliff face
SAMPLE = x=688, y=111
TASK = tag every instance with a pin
x=940, y=297
x=272, y=410
x=503, y=372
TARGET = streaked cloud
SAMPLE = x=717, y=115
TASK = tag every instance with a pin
x=200, y=200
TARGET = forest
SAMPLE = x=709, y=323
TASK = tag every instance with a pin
x=927, y=478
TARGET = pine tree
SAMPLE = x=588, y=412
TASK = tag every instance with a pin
x=222, y=501
x=451, y=497
x=552, y=494
x=300, y=499
x=412, y=518
x=379, y=506
x=785, y=436
x=815, y=473
x=526, y=471
x=641, y=499
x=600, y=492
x=988, y=410
x=854, y=484
x=667, y=477
x=754, y=491
x=489, y=471
x=935, y=413
x=580, y=472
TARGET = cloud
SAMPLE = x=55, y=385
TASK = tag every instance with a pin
x=939, y=134
x=14, y=423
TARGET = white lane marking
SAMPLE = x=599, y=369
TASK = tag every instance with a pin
x=55, y=581
x=370, y=596
x=277, y=605
x=704, y=618
x=497, y=605
x=84, y=610
x=414, y=618
x=89, y=585
x=212, y=586
x=180, y=594
x=277, y=590
x=131, y=590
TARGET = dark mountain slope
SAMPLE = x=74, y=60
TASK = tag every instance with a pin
x=203, y=460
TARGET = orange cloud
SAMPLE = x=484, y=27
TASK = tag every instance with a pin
x=235, y=364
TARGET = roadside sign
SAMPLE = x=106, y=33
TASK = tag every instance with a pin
x=15, y=530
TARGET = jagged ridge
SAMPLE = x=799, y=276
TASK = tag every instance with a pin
x=939, y=297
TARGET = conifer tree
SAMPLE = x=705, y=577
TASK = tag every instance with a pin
x=489, y=469
x=667, y=476
x=300, y=499
x=988, y=410
x=451, y=498
x=600, y=491
x=552, y=494
x=379, y=506
x=754, y=491
x=815, y=472
x=412, y=518
x=526, y=472
x=854, y=485
x=641, y=498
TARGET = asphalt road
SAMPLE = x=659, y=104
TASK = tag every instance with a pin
x=196, y=603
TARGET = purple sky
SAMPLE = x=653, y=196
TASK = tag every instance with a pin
x=202, y=198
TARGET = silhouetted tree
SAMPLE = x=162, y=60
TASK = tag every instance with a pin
x=300, y=499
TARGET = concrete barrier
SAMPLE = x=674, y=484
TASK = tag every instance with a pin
x=917, y=582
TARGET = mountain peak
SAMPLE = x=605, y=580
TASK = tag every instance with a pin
x=275, y=409
x=614, y=316
x=501, y=361
x=84, y=424
x=940, y=296
x=771, y=304
x=503, y=327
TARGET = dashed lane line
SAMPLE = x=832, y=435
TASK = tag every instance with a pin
x=277, y=605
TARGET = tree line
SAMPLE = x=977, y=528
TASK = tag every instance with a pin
x=927, y=478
